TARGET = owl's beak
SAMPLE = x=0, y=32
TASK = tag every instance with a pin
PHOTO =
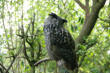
x=65, y=21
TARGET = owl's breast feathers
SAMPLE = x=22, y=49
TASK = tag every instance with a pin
x=59, y=36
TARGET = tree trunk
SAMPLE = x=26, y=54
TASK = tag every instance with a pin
x=32, y=69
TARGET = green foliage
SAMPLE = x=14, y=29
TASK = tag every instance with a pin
x=96, y=48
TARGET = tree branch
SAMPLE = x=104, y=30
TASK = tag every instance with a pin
x=14, y=57
x=11, y=64
x=87, y=6
x=25, y=53
x=90, y=22
x=3, y=66
x=24, y=45
x=81, y=5
x=39, y=53
x=41, y=61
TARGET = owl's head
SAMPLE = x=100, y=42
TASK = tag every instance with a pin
x=54, y=16
x=55, y=20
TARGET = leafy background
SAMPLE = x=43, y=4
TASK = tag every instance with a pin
x=17, y=13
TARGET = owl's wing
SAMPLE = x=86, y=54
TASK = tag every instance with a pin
x=64, y=39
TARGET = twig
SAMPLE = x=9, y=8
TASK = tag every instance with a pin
x=2, y=66
x=41, y=61
x=11, y=64
x=14, y=57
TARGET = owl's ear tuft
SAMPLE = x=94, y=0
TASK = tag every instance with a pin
x=53, y=15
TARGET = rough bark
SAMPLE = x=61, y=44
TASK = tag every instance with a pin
x=90, y=20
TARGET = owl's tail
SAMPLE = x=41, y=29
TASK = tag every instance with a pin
x=71, y=63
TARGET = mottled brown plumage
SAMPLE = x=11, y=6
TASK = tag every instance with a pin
x=59, y=42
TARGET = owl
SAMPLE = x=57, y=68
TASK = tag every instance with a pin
x=59, y=42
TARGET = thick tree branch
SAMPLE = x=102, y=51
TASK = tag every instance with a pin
x=87, y=3
x=90, y=22
x=81, y=5
x=87, y=12
x=87, y=7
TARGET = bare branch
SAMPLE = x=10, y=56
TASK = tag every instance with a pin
x=24, y=39
x=25, y=53
x=14, y=57
x=32, y=50
x=11, y=64
x=41, y=61
x=2, y=66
